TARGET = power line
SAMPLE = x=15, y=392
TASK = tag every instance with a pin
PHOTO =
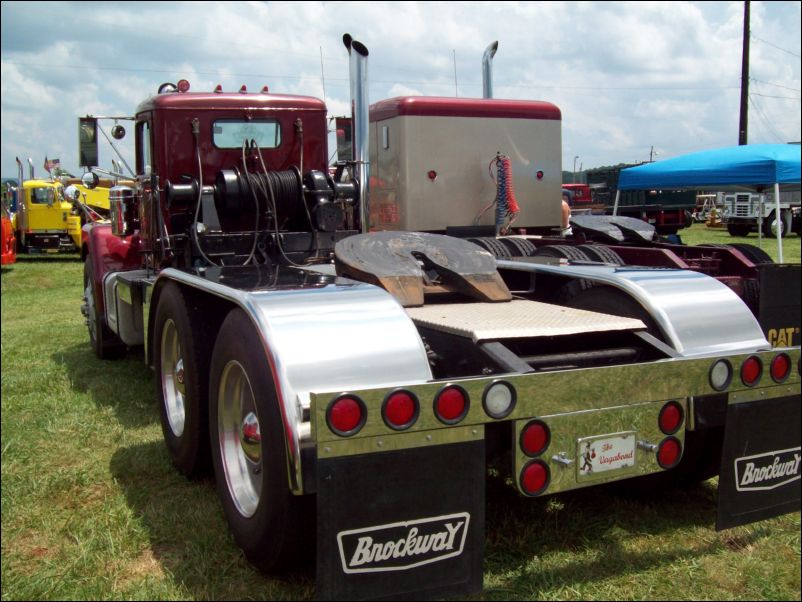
x=775, y=46
x=769, y=96
x=773, y=84
x=765, y=120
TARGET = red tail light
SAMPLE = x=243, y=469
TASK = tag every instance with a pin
x=400, y=410
x=780, y=368
x=751, y=371
x=535, y=477
x=451, y=404
x=346, y=415
x=669, y=452
x=671, y=417
x=535, y=438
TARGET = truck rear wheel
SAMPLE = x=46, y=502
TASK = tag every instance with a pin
x=249, y=451
x=181, y=363
x=739, y=229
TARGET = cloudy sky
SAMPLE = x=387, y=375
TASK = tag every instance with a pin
x=631, y=78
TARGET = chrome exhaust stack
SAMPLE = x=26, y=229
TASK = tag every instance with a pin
x=360, y=123
x=487, y=70
x=30, y=168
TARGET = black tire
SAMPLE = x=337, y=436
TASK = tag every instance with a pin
x=753, y=253
x=739, y=229
x=602, y=253
x=104, y=342
x=519, y=247
x=609, y=300
x=181, y=360
x=784, y=222
x=563, y=252
x=493, y=246
x=268, y=522
x=570, y=289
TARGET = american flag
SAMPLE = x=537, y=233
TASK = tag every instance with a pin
x=51, y=164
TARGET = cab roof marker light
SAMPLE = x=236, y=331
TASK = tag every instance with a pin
x=183, y=85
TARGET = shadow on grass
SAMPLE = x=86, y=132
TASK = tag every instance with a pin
x=125, y=385
x=49, y=258
x=188, y=534
x=597, y=526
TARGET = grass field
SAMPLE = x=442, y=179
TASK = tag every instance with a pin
x=92, y=509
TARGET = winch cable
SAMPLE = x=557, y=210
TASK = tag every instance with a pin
x=255, y=201
x=266, y=186
x=194, y=233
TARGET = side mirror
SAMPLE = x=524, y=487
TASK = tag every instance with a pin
x=90, y=180
x=118, y=132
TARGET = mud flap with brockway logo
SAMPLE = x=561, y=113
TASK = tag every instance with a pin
x=760, y=466
x=406, y=524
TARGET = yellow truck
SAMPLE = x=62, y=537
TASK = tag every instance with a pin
x=46, y=221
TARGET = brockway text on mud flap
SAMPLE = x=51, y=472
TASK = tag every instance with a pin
x=404, y=545
x=767, y=471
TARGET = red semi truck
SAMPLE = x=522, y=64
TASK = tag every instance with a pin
x=347, y=371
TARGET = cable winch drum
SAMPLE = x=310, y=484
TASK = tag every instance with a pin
x=235, y=191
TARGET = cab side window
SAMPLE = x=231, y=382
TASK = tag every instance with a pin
x=144, y=156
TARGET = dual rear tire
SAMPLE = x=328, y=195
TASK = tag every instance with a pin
x=220, y=411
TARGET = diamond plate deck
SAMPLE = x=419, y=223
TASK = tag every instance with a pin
x=514, y=320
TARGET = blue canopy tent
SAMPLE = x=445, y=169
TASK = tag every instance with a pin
x=754, y=167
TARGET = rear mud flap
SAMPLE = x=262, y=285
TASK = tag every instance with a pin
x=780, y=314
x=402, y=525
x=760, y=465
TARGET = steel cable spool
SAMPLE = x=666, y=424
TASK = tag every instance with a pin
x=235, y=189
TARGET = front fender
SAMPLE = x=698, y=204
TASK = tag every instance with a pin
x=108, y=253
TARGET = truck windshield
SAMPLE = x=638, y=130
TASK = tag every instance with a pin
x=43, y=196
x=230, y=133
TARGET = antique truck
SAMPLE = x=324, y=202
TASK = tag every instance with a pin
x=348, y=362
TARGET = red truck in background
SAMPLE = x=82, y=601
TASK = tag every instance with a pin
x=348, y=372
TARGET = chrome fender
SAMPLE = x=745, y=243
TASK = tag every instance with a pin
x=335, y=334
x=698, y=314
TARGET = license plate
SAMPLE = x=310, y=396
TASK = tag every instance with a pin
x=605, y=453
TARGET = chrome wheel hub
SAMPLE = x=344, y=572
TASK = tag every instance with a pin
x=173, y=377
x=240, y=438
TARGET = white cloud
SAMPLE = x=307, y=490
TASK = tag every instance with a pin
x=627, y=76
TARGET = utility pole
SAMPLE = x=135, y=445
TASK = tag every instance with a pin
x=456, y=88
x=742, y=125
x=573, y=179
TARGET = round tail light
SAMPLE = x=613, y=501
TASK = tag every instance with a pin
x=346, y=415
x=669, y=452
x=499, y=399
x=751, y=371
x=535, y=438
x=721, y=375
x=400, y=410
x=451, y=404
x=535, y=477
x=780, y=368
x=671, y=417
